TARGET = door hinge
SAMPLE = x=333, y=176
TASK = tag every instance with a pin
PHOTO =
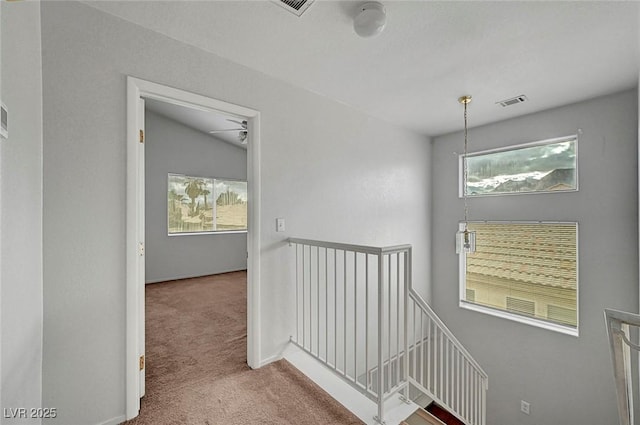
x=141, y=249
x=141, y=362
x=141, y=136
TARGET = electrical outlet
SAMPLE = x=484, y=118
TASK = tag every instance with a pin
x=525, y=407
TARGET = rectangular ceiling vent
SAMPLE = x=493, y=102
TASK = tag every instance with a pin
x=512, y=101
x=297, y=7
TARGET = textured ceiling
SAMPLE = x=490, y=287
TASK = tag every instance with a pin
x=429, y=54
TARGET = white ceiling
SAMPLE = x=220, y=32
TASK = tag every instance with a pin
x=429, y=54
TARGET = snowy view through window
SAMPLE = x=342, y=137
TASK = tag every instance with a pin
x=540, y=168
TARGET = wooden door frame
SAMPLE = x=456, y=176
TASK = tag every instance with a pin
x=137, y=89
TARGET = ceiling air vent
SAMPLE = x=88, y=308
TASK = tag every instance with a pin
x=512, y=101
x=297, y=7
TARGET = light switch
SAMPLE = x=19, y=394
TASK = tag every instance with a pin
x=279, y=224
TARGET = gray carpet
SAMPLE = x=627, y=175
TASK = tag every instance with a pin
x=196, y=363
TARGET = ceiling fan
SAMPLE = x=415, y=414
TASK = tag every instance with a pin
x=242, y=131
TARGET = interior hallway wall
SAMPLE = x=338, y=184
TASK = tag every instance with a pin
x=21, y=222
x=1, y=49
x=171, y=147
x=333, y=173
x=567, y=380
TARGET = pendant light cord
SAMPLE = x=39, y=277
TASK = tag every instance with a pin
x=467, y=244
x=465, y=170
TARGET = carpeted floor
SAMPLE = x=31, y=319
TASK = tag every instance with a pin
x=196, y=363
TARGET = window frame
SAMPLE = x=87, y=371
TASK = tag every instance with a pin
x=504, y=314
x=207, y=232
x=462, y=157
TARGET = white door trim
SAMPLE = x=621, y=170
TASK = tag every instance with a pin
x=137, y=89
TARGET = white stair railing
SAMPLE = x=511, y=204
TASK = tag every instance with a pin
x=618, y=324
x=350, y=312
x=440, y=367
x=355, y=305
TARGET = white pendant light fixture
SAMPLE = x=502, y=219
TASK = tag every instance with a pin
x=465, y=239
x=370, y=20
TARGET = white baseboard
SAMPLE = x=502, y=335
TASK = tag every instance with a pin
x=166, y=279
x=114, y=421
x=354, y=401
x=271, y=359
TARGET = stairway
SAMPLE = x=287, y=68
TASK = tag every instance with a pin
x=443, y=415
x=422, y=417
x=433, y=414
x=358, y=315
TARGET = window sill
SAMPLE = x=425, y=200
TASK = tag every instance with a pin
x=222, y=232
x=521, y=319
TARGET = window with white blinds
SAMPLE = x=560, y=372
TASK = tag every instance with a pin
x=525, y=271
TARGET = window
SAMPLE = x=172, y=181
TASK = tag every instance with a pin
x=524, y=271
x=547, y=166
x=561, y=314
x=205, y=205
x=518, y=305
x=471, y=295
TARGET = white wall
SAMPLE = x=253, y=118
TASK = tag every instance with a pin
x=171, y=147
x=567, y=380
x=1, y=49
x=332, y=172
x=21, y=220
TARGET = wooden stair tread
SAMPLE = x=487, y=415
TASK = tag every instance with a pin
x=421, y=416
x=444, y=416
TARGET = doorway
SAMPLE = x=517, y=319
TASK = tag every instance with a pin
x=137, y=91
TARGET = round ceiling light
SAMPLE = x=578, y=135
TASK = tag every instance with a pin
x=370, y=20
